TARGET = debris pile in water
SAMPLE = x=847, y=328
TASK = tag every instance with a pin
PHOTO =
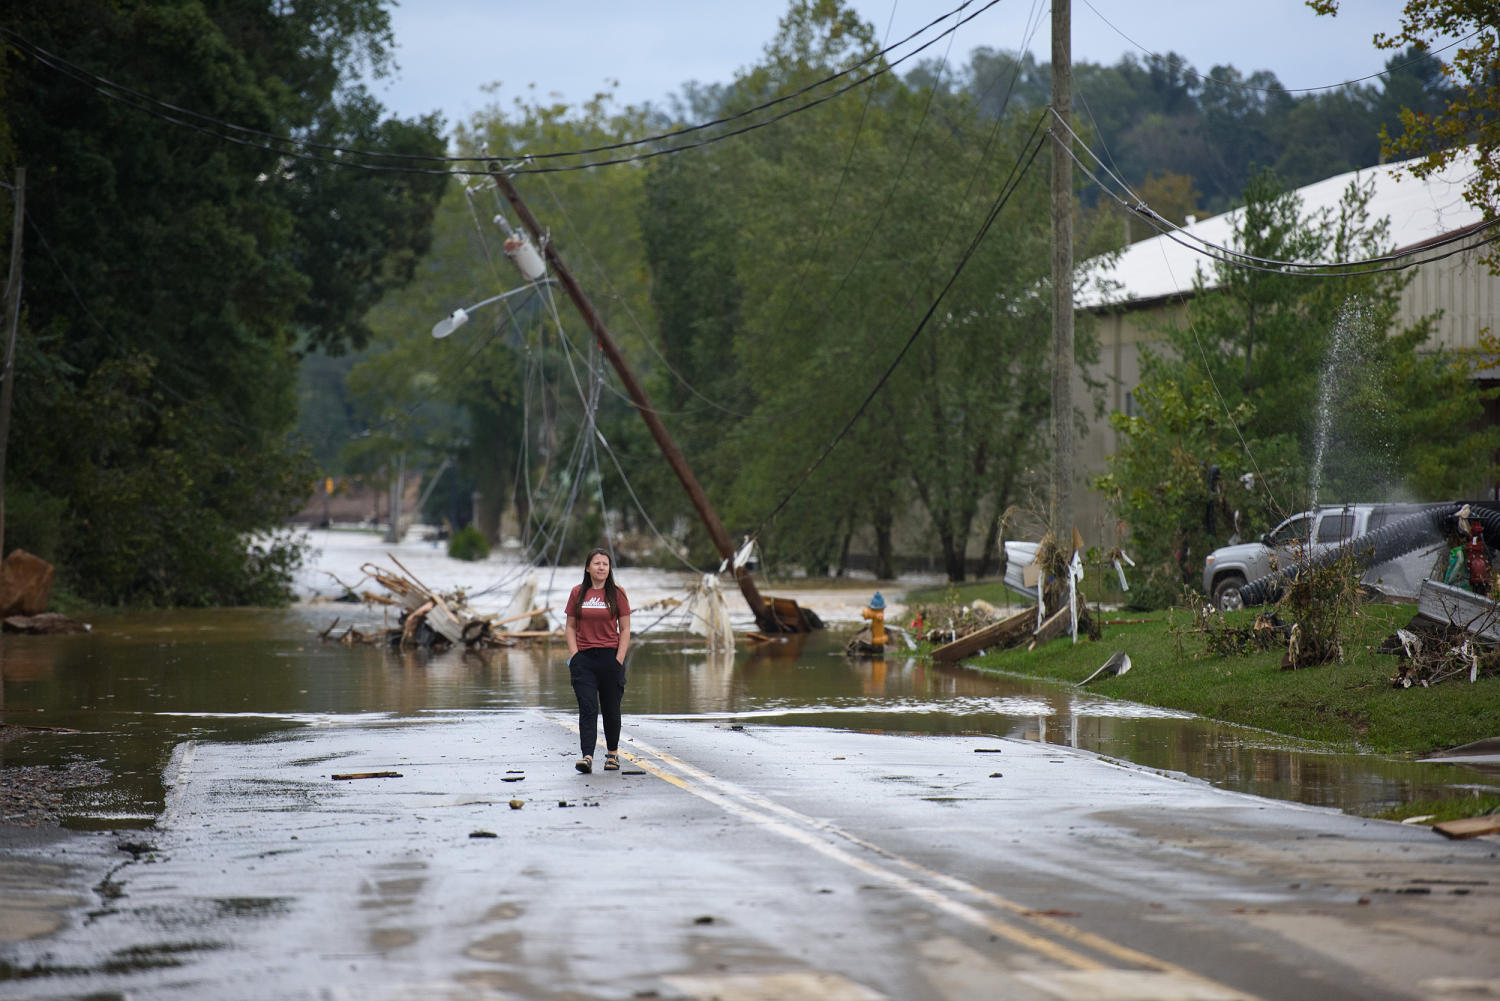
x=431, y=619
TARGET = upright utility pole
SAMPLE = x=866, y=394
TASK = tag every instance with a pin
x=1062, y=276
x=12, y=324
x=765, y=619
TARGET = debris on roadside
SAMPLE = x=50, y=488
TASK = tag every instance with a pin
x=1440, y=655
x=1469, y=827
x=366, y=775
x=1117, y=664
x=1021, y=627
x=1221, y=639
x=433, y=620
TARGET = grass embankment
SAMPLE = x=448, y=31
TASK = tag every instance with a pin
x=1350, y=704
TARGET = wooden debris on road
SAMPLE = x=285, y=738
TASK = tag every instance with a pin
x=1469, y=827
x=368, y=775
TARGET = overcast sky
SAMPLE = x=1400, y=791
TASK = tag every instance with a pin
x=449, y=50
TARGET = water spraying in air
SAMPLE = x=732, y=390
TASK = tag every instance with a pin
x=1350, y=406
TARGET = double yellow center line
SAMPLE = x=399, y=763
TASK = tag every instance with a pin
x=1065, y=943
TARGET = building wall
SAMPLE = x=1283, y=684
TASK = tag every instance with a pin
x=1465, y=291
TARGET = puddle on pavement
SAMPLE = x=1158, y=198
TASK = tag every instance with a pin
x=137, y=686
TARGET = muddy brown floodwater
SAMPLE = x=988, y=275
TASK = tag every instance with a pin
x=136, y=686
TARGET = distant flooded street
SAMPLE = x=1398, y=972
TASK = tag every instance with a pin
x=138, y=685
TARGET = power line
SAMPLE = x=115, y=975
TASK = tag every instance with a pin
x=483, y=164
x=64, y=65
x=1018, y=171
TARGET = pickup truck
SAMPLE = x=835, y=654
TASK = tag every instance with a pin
x=1227, y=569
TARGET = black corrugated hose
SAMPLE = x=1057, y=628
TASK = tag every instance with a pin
x=1432, y=522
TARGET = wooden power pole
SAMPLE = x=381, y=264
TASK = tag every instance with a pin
x=12, y=324
x=1063, y=447
x=765, y=618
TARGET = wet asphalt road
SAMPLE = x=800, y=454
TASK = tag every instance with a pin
x=739, y=863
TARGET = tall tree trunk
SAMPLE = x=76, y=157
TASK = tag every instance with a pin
x=844, y=549
x=885, y=560
x=991, y=552
x=953, y=555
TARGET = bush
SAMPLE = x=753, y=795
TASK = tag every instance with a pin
x=468, y=543
x=33, y=522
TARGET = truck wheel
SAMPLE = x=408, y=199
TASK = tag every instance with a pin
x=1227, y=593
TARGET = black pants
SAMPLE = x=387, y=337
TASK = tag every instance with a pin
x=599, y=682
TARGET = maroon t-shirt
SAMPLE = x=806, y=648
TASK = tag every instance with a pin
x=596, y=627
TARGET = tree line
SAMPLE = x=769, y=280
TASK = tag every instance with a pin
x=189, y=296
x=767, y=283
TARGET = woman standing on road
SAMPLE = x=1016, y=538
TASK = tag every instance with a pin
x=598, y=632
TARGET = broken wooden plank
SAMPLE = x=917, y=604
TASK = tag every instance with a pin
x=523, y=615
x=1006, y=632
x=368, y=775
x=1469, y=827
x=1057, y=623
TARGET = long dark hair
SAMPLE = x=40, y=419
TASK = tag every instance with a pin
x=611, y=592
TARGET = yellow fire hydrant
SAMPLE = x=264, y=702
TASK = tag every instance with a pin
x=876, y=614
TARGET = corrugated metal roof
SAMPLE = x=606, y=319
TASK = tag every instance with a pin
x=1420, y=210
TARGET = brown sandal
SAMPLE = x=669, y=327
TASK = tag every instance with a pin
x=612, y=761
x=585, y=764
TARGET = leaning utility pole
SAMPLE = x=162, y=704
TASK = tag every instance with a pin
x=1062, y=276
x=765, y=617
x=12, y=323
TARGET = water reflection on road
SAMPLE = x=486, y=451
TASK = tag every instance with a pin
x=137, y=686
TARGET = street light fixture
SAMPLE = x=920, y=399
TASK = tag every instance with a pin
x=460, y=316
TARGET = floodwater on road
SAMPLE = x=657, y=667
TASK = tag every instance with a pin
x=136, y=686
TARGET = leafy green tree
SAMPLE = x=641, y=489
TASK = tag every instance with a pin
x=851, y=219
x=1178, y=482
x=188, y=261
x=499, y=395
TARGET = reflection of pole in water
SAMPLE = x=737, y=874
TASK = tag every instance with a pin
x=1073, y=730
x=1041, y=729
x=712, y=681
